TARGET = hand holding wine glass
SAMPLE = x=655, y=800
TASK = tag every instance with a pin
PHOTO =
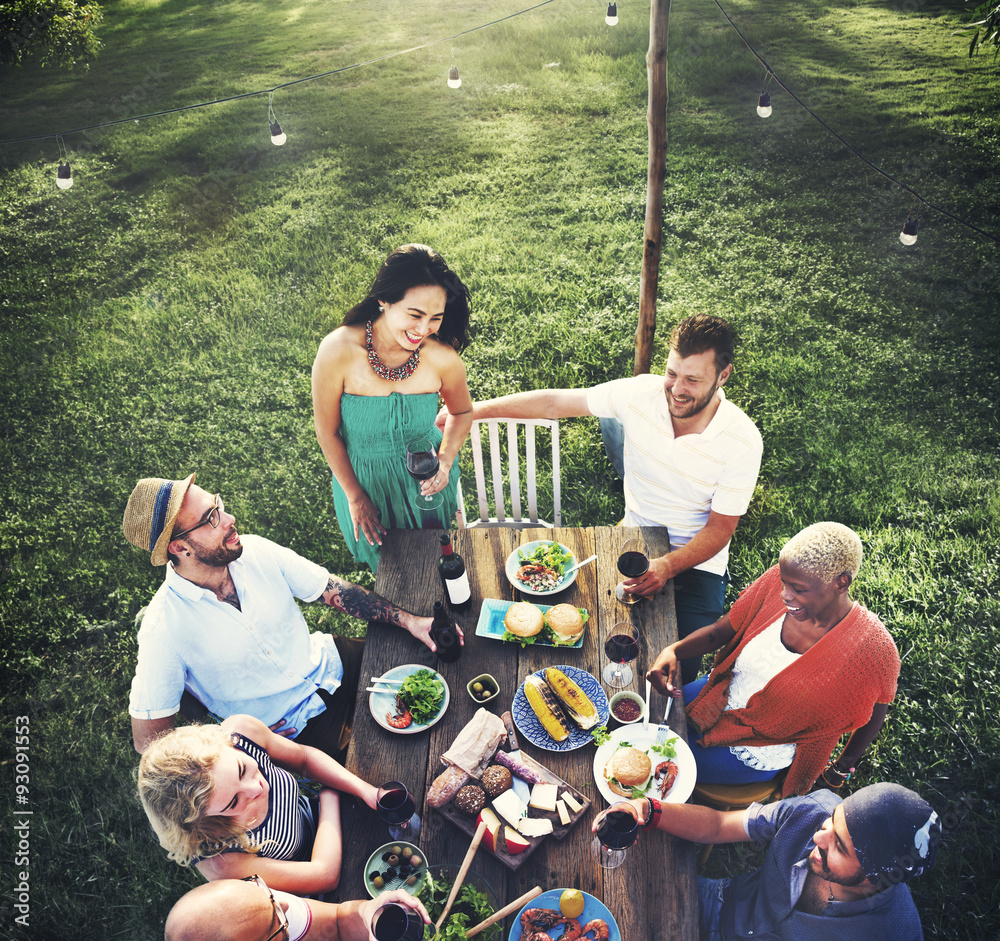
x=396, y=921
x=422, y=464
x=633, y=562
x=617, y=829
x=395, y=805
x=622, y=647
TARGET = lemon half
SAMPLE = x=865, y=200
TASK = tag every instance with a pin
x=571, y=903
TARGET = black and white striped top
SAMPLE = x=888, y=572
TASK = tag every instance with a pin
x=288, y=830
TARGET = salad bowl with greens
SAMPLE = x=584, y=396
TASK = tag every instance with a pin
x=414, y=691
x=475, y=902
x=537, y=568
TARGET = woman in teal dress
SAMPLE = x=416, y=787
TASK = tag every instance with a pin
x=375, y=384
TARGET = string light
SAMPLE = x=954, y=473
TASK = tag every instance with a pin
x=64, y=175
x=454, y=80
x=909, y=234
x=278, y=136
x=612, y=18
x=764, y=102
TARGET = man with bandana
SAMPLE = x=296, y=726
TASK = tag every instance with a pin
x=833, y=869
x=224, y=632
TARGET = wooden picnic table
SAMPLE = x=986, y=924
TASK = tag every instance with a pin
x=653, y=893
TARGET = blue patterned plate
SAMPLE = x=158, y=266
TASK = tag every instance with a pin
x=592, y=908
x=527, y=722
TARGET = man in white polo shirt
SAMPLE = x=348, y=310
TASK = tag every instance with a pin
x=224, y=630
x=690, y=460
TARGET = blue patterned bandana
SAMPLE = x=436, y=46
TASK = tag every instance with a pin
x=895, y=832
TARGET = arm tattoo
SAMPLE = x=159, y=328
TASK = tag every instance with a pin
x=359, y=603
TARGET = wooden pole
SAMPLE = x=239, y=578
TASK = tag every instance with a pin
x=656, y=118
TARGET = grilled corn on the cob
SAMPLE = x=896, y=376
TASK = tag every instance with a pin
x=574, y=700
x=546, y=707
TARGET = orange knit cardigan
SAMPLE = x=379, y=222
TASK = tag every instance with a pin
x=831, y=689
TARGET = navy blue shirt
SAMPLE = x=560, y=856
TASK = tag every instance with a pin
x=760, y=905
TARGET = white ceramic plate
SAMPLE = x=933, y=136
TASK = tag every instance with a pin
x=514, y=562
x=385, y=702
x=592, y=908
x=641, y=738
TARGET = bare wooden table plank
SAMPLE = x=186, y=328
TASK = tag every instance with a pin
x=652, y=895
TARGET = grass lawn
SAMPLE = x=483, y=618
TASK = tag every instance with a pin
x=162, y=317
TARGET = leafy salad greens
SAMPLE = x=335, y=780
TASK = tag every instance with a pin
x=548, y=554
x=423, y=693
x=470, y=908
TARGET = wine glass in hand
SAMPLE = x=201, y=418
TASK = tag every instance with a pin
x=622, y=647
x=617, y=829
x=633, y=562
x=396, y=807
x=422, y=464
x=395, y=922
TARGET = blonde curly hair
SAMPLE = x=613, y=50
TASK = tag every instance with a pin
x=176, y=781
x=825, y=550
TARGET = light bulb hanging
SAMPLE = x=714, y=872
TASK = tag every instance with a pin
x=764, y=102
x=64, y=175
x=278, y=136
x=454, y=79
x=612, y=18
x=909, y=234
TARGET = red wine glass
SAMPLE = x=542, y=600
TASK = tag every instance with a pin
x=396, y=807
x=622, y=647
x=395, y=922
x=617, y=830
x=633, y=561
x=422, y=464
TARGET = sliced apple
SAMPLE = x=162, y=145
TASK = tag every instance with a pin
x=492, y=835
x=515, y=842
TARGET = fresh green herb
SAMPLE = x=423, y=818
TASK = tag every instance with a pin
x=548, y=554
x=600, y=735
x=423, y=693
x=470, y=908
x=664, y=749
x=516, y=638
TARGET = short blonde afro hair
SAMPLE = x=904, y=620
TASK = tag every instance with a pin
x=825, y=550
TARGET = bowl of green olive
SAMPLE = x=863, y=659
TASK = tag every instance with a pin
x=483, y=688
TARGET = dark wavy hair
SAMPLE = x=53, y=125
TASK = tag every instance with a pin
x=411, y=266
x=701, y=332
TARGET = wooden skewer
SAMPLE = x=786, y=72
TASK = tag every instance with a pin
x=505, y=911
x=460, y=878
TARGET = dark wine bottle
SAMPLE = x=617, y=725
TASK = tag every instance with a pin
x=454, y=578
x=445, y=635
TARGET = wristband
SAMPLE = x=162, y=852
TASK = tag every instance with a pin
x=653, y=811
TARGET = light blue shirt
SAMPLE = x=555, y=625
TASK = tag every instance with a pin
x=260, y=660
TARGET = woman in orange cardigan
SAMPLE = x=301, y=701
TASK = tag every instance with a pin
x=800, y=664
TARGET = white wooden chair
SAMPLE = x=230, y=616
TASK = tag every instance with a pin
x=513, y=475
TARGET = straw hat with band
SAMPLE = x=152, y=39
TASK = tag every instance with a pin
x=151, y=512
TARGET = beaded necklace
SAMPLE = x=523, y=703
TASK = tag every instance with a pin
x=396, y=373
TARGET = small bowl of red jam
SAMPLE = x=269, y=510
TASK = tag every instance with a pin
x=627, y=707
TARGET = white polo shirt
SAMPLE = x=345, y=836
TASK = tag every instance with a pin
x=261, y=660
x=676, y=482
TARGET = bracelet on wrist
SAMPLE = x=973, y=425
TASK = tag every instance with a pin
x=653, y=811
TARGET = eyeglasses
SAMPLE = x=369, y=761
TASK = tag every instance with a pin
x=279, y=912
x=214, y=518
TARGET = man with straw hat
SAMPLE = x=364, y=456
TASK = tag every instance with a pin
x=832, y=869
x=224, y=631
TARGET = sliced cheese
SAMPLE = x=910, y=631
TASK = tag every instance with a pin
x=535, y=826
x=571, y=802
x=564, y=816
x=543, y=797
x=510, y=807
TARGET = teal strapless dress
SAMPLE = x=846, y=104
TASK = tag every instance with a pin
x=375, y=430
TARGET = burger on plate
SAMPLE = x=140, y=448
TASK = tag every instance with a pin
x=523, y=619
x=628, y=768
x=566, y=623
